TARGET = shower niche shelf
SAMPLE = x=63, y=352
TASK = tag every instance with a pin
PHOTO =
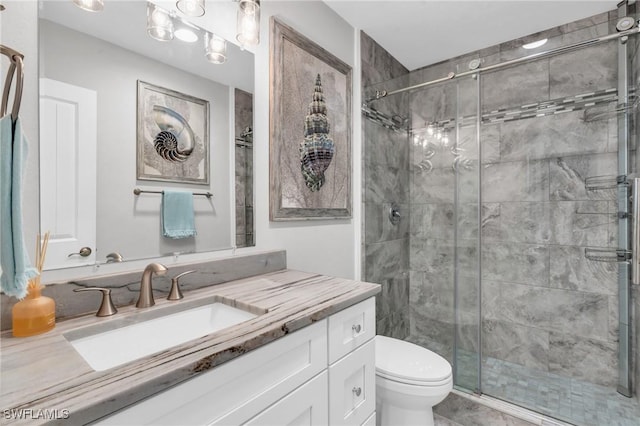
x=599, y=183
x=609, y=255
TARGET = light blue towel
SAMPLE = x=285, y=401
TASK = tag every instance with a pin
x=177, y=214
x=14, y=260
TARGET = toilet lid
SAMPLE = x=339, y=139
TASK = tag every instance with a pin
x=404, y=360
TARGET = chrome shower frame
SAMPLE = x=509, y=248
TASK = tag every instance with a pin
x=626, y=223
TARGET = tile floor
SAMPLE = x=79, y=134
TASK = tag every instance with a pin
x=567, y=399
x=564, y=398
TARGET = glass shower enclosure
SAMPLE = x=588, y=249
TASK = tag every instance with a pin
x=520, y=228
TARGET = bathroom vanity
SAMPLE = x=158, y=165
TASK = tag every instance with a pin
x=307, y=354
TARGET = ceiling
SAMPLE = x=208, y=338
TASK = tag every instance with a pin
x=423, y=32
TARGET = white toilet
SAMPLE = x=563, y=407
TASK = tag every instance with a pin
x=410, y=380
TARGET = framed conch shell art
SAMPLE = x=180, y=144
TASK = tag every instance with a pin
x=173, y=136
x=310, y=129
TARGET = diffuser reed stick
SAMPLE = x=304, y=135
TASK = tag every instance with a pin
x=41, y=254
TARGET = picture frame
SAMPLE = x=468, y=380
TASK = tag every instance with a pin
x=310, y=129
x=172, y=136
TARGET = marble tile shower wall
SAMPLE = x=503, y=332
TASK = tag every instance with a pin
x=386, y=177
x=243, y=170
x=544, y=305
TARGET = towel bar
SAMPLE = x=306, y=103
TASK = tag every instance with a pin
x=138, y=191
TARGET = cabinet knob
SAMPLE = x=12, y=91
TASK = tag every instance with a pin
x=357, y=390
x=107, y=307
x=356, y=328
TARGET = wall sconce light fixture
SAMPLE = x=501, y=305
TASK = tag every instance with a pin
x=191, y=7
x=159, y=23
x=215, y=48
x=90, y=5
x=248, y=23
x=163, y=25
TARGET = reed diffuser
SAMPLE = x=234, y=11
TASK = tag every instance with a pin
x=35, y=314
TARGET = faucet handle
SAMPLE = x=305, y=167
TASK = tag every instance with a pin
x=107, y=307
x=175, y=293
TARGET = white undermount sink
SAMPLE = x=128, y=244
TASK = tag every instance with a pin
x=112, y=347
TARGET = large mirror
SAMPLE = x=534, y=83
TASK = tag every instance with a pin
x=94, y=70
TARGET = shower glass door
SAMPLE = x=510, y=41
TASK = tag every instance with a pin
x=549, y=137
x=445, y=213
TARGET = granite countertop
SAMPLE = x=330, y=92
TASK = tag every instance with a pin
x=45, y=372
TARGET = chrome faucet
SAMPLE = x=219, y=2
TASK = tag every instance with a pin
x=145, y=299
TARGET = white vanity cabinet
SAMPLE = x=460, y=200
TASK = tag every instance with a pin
x=323, y=374
x=352, y=375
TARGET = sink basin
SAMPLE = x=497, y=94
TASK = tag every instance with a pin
x=116, y=346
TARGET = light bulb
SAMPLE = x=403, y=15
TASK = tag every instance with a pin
x=159, y=23
x=248, y=27
x=215, y=48
x=191, y=7
x=249, y=6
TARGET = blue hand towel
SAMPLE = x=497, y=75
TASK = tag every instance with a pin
x=14, y=260
x=177, y=214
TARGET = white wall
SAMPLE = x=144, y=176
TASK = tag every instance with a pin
x=327, y=246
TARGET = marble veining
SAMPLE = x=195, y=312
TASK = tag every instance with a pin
x=291, y=300
x=516, y=181
x=553, y=135
x=567, y=176
x=125, y=287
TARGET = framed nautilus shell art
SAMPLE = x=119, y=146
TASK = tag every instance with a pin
x=173, y=136
x=310, y=129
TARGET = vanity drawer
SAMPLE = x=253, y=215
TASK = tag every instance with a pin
x=350, y=328
x=307, y=405
x=237, y=390
x=352, y=385
x=371, y=421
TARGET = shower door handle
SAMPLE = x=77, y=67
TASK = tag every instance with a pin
x=635, y=243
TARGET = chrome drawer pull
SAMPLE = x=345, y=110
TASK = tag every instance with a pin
x=356, y=328
x=357, y=390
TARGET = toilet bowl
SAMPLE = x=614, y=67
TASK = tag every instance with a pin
x=410, y=380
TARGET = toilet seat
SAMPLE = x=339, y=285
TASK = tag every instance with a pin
x=443, y=382
x=405, y=362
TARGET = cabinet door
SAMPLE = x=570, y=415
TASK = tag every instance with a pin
x=350, y=328
x=307, y=405
x=352, y=387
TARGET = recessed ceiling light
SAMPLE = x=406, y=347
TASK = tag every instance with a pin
x=186, y=35
x=535, y=44
x=90, y=5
